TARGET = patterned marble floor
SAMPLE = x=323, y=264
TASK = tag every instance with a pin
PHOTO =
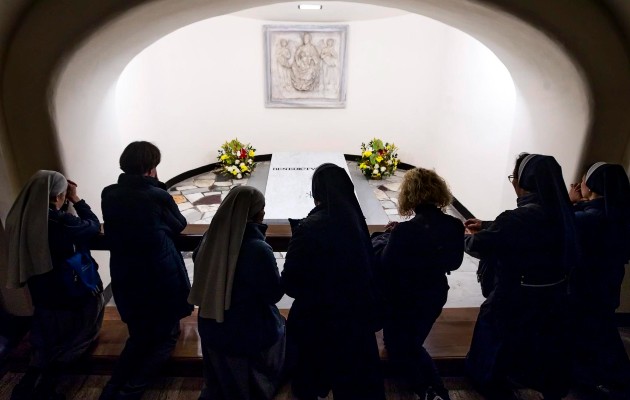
x=199, y=197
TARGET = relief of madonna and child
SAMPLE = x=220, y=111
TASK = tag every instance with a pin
x=306, y=66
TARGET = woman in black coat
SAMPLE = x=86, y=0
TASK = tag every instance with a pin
x=414, y=260
x=521, y=332
x=329, y=271
x=149, y=280
x=602, y=214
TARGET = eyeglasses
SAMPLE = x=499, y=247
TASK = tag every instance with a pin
x=511, y=178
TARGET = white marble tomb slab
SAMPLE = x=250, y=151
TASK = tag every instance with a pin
x=288, y=191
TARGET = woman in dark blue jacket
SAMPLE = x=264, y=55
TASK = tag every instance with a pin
x=237, y=286
x=67, y=317
x=330, y=272
x=414, y=261
x=602, y=213
x=521, y=332
x=149, y=280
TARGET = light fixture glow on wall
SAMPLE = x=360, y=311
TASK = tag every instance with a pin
x=309, y=6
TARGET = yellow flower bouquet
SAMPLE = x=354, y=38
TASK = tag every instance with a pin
x=236, y=159
x=378, y=160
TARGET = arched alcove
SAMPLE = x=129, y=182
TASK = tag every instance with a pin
x=433, y=90
x=551, y=112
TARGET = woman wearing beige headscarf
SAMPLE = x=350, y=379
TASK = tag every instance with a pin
x=42, y=235
x=236, y=286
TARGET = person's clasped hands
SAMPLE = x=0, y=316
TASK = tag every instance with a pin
x=391, y=225
x=575, y=192
x=472, y=225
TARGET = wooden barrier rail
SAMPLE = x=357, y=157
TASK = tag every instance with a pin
x=278, y=237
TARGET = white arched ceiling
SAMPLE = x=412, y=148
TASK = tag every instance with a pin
x=551, y=103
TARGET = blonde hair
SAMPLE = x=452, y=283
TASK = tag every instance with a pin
x=422, y=186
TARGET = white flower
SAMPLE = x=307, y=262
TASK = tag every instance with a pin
x=250, y=161
x=389, y=162
x=239, y=176
x=375, y=171
x=376, y=166
x=237, y=162
x=383, y=169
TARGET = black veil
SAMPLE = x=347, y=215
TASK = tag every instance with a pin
x=542, y=175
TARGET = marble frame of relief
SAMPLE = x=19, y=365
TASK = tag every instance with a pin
x=305, y=66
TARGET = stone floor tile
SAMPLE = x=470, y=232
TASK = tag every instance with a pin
x=195, y=190
x=179, y=198
x=186, y=187
x=191, y=215
x=209, y=200
x=194, y=197
x=204, y=208
x=184, y=206
x=191, y=211
x=380, y=194
x=222, y=178
x=387, y=204
x=208, y=214
x=173, y=192
x=203, y=183
x=214, y=192
x=210, y=176
x=223, y=184
x=277, y=254
x=393, y=186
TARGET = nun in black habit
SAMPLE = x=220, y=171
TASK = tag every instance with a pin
x=237, y=286
x=520, y=334
x=602, y=213
x=329, y=271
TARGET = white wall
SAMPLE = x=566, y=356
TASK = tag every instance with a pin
x=439, y=94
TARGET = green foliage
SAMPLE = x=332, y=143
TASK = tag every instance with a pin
x=378, y=160
x=237, y=159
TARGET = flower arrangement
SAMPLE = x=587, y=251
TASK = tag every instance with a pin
x=236, y=159
x=378, y=160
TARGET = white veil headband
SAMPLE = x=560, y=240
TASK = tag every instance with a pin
x=521, y=167
x=593, y=169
